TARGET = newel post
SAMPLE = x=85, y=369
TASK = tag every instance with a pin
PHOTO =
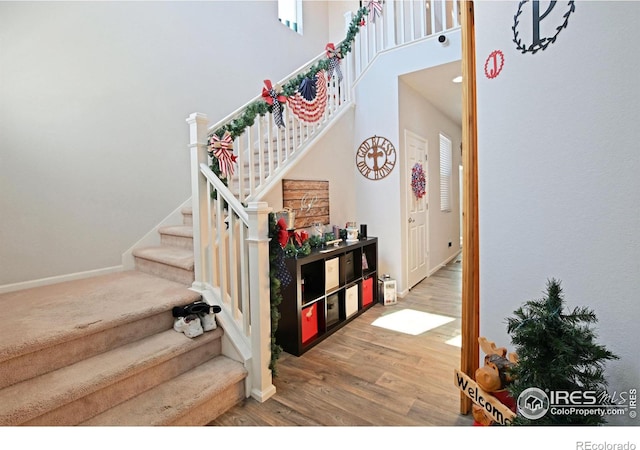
x=262, y=387
x=198, y=124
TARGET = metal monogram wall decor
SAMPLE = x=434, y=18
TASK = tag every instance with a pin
x=535, y=28
x=376, y=157
x=494, y=64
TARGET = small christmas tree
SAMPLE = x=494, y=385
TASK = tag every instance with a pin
x=556, y=351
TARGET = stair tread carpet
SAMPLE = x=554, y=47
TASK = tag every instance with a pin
x=171, y=256
x=45, y=316
x=177, y=230
x=26, y=400
x=169, y=401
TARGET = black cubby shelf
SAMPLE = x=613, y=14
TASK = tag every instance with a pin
x=329, y=288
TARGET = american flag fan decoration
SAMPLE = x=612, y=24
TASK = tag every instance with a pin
x=310, y=100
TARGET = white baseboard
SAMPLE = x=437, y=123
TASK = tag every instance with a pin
x=58, y=279
x=441, y=265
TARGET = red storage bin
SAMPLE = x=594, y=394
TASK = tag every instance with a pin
x=309, y=322
x=367, y=291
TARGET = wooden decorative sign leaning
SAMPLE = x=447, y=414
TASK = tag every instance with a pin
x=308, y=199
x=489, y=393
x=493, y=407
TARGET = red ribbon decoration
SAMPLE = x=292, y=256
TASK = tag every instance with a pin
x=334, y=61
x=283, y=234
x=274, y=99
x=222, y=148
x=268, y=96
x=301, y=237
x=332, y=52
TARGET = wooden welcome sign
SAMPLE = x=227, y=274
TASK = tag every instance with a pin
x=309, y=200
x=493, y=407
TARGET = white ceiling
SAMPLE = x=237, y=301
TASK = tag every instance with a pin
x=435, y=85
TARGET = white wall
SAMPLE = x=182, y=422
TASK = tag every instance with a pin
x=380, y=203
x=558, y=174
x=93, y=101
x=337, y=25
x=422, y=118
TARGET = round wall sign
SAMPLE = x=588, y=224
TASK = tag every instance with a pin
x=376, y=157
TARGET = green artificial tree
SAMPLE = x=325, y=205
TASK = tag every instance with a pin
x=556, y=350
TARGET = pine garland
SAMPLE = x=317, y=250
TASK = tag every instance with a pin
x=556, y=350
x=276, y=294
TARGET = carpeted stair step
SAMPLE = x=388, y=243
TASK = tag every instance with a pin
x=187, y=215
x=78, y=392
x=172, y=263
x=177, y=236
x=61, y=324
x=193, y=398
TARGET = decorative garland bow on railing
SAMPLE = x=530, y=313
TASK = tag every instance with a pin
x=275, y=100
x=222, y=149
x=334, y=61
x=375, y=10
x=283, y=239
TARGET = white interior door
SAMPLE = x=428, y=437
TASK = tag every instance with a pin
x=416, y=151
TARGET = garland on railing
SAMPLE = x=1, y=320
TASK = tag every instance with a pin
x=236, y=127
x=275, y=259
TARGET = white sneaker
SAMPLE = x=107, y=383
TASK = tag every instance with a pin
x=189, y=325
x=208, y=321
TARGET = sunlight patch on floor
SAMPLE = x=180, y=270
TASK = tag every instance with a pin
x=456, y=341
x=410, y=321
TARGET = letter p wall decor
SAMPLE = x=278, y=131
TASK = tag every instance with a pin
x=537, y=24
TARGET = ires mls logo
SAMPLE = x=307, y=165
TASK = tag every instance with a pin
x=537, y=24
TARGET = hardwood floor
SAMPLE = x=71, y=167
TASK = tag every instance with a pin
x=364, y=375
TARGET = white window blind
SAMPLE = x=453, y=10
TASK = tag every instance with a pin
x=446, y=164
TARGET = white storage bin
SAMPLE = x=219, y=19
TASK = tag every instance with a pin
x=332, y=273
x=351, y=301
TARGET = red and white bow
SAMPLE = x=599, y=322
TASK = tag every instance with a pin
x=222, y=148
x=375, y=9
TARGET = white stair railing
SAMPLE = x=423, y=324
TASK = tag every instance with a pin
x=401, y=22
x=231, y=243
x=265, y=151
x=231, y=262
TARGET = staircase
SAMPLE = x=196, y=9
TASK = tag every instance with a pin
x=173, y=258
x=102, y=351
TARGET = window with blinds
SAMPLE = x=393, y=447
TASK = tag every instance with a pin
x=446, y=165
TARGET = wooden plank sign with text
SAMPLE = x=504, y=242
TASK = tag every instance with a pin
x=309, y=199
